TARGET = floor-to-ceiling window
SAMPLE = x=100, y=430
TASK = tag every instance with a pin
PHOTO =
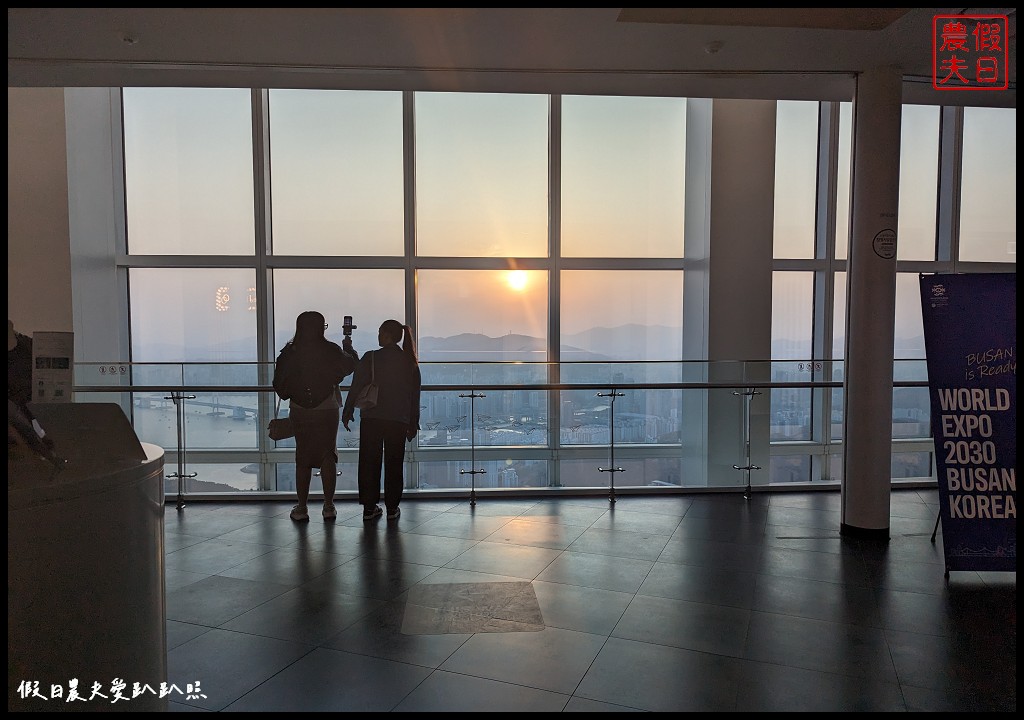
x=528, y=239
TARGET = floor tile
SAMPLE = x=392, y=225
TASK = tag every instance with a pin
x=717, y=629
x=286, y=566
x=597, y=571
x=216, y=599
x=833, y=602
x=659, y=678
x=556, y=536
x=853, y=650
x=620, y=543
x=474, y=527
x=712, y=553
x=766, y=687
x=729, y=588
x=213, y=556
x=305, y=614
x=327, y=680
x=479, y=607
x=571, y=607
x=703, y=601
x=515, y=560
x=553, y=659
x=642, y=521
x=229, y=664
x=372, y=578
x=380, y=635
x=452, y=692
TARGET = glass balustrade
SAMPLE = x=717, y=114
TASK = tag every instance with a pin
x=505, y=427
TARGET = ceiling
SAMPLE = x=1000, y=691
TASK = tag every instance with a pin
x=746, y=52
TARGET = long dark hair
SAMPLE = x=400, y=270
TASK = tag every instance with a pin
x=309, y=328
x=398, y=331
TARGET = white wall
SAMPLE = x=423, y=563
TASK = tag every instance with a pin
x=38, y=239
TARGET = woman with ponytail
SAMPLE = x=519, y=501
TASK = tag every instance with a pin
x=385, y=427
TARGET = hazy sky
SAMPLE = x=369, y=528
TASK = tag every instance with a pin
x=481, y=168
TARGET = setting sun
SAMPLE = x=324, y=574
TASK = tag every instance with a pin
x=517, y=279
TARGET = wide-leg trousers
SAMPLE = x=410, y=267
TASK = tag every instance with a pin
x=381, y=444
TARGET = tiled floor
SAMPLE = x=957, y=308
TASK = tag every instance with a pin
x=670, y=603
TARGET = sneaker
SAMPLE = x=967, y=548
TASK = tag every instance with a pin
x=330, y=513
x=394, y=513
x=299, y=513
x=372, y=513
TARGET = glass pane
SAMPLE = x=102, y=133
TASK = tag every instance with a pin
x=337, y=185
x=496, y=418
x=843, y=179
x=792, y=315
x=155, y=419
x=908, y=340
x=369, y=296
x=488, y=315
x=911, y=413
x=838, y=397
x=835, y=468
x=652, y=472
x=481, y=175
x=621, y=315
x=506, y=474
x=791, y=411
x=623, y=162
x=988, y=196
x=919, y=182
x=216, y=478
x=221, y=420
x=792, y=329
x=193, y=314
x=796, y=164
x=642, y=417
x=212, y=420
x=912, y=465
x=789, y=469
x=188, y=163
x=839, y=317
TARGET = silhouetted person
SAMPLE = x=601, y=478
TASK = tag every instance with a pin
x=307, y=373
x=385, y=428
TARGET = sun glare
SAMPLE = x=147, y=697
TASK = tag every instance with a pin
x=517, y=279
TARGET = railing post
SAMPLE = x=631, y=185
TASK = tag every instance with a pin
x=179, y=407
x=611, y=447
x=747, y=467
x=472, y=446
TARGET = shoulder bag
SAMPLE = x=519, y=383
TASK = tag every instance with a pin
x=280, y=428
x=367, y=397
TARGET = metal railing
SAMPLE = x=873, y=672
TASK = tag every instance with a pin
x=683, y=426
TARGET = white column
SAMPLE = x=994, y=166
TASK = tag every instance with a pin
x=739, y=284
x=871, y=306
x=96, y=209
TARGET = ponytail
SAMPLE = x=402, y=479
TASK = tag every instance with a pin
x=396, y=331
x=408, y=344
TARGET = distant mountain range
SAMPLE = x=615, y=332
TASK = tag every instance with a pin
x=599, y=344
x=602, y=344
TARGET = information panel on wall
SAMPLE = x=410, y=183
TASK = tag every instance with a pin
x=970, y=334
x=52, y=366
